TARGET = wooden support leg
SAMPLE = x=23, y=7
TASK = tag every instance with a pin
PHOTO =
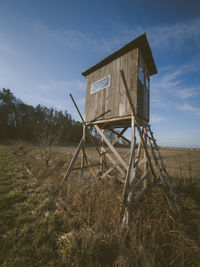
x=133, y=138
x=101, y=157
x=137, y=122
x=89, y=165
x=73, y=160
x=124, y=210
x=131, y=188
x=86, y=127
x=83, y=151
x=133, y=141
x=145, y=164
x=133, y=180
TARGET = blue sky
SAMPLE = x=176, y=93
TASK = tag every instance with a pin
x=46, y=44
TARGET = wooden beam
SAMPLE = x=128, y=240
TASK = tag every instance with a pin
x=109, y=170
x=113, y=162
x=145, y=165
x=142, y=179
x=127, y=180
x=90, y=165
x=86, y=126
x=113, y=120
x=115, y=165
x=136, y=163
x=101, y=157
x=124, y=138
x=69, y=169
x=83, y=149
x=119, y=135
x=95, y=119
x=117, y=155
x=137, y=122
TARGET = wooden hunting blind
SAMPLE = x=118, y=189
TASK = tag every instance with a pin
x=117, y=96
x=105, y=88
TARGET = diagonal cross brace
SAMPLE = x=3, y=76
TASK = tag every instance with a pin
x=117, y=155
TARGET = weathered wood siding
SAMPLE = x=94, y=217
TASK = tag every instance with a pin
x=113, y=97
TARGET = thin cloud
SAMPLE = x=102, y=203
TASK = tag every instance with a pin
x=189, y=108
x=177, y=34
x=187, y=92
x=171, y=36
x=160, y=37
x=70, y=86
x=171, y=83
x=74, y=39
x=157, y=118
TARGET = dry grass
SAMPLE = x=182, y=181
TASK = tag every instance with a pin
x=79, y=224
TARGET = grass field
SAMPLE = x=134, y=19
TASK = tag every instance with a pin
x=45, y=224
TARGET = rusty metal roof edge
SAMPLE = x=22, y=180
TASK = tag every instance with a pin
x=140, y=42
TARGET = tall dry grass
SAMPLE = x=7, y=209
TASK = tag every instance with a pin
x=84, y=215
x=92, y=233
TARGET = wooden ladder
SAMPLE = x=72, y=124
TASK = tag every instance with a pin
x=135, y=185
x=163, y=177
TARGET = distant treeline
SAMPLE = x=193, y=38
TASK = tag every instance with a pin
x=19, y=120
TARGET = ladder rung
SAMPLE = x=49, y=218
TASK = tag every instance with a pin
x=150, y=131
x=151, y=138
x=166, y=179
x=162, y=167
x=156, y=148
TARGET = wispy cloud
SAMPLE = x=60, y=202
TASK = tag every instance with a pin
x=161, y=37
x=171, y=83
x=157, y=118
x=187, y=92
x=169, y=36
x=75, y=39
x=189, y=108
x=70, y=86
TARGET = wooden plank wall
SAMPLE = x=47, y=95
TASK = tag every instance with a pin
x=113, y=97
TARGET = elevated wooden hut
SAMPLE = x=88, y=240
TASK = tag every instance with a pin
x=117, y=96
x=105, y=88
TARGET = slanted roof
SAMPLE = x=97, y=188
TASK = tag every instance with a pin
x=140, y=42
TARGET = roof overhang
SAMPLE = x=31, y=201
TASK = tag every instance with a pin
x=140, y=42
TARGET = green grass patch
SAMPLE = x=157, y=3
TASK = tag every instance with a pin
x=26, y=239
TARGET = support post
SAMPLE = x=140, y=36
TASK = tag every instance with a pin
x=133, y=141
x=124, y=211
x=86, y=127
x=133, y=138
x=73, y=161
x=145, y=166
x=137, y=122
x=83, y=152
x=101, y=157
